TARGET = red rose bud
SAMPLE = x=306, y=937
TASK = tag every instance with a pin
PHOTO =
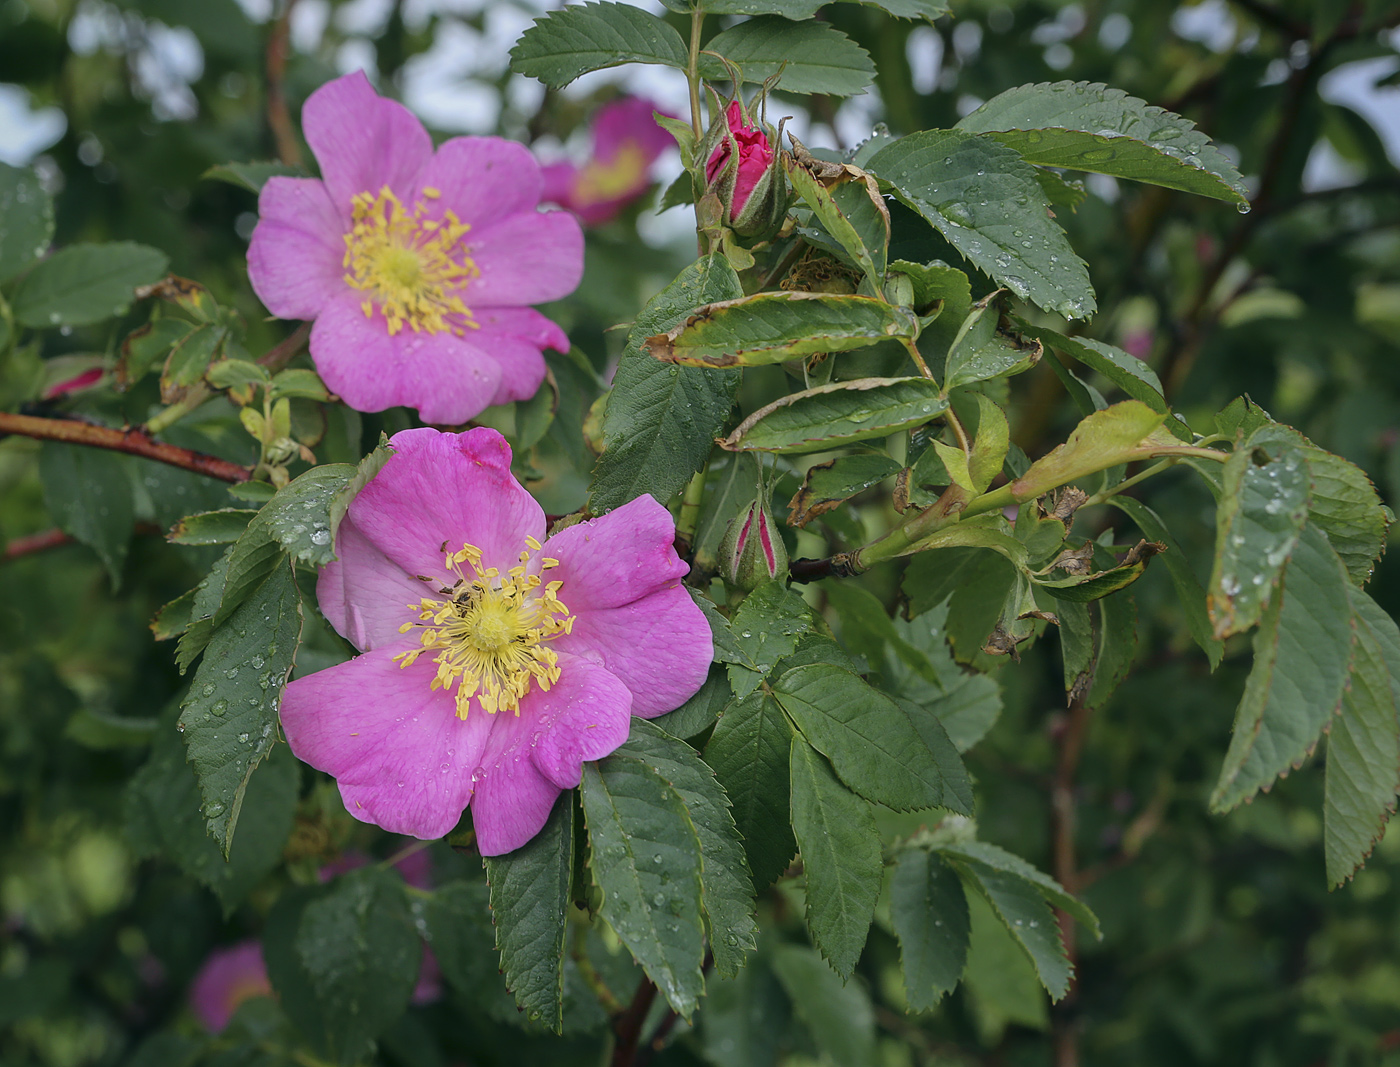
x=752, y=551
x=744, y=170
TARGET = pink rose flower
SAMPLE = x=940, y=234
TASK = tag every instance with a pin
x=226, y=978
x=494, y=662
x=416, y=265
x=626, y=142
x=755, y=159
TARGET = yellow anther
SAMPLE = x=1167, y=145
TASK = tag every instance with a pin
x=413, y=268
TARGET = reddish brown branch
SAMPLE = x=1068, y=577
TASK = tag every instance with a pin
x=278, y=116
x=282, y=353
x=132, y=442
x=627, y=1027
x=39, y=542
x=1069, y=744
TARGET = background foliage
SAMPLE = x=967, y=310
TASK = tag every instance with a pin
x=1221, y=942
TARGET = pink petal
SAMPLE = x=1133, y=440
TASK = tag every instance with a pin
x=584, y=716
x=516, y=337
x=631, y=119
x=227, y=977
x=363, y=141
x=295, y=256
x=452, y=488
x=526, y=258
x=623, y=556
x=659, y=646
x=363, y=594
x=402, y=758
x=482, y=179
x=446, y=378
x=558, y=182
x=512, y=806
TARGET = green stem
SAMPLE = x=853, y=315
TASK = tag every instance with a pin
x=607, y=999
x=1128, y=483
x=692, y=70
x=689, y=517
x=168, y=417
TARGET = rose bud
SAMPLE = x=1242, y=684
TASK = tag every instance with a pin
x=752, y=551
x=744, y=170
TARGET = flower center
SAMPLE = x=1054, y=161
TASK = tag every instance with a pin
x=488, y=637
x=411, y=266
x=600, y=181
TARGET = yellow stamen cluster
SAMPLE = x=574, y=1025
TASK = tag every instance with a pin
x=599, y=181
x=488, y=637
x=412, y=266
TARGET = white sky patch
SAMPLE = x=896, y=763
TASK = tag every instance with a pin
x=25, y=130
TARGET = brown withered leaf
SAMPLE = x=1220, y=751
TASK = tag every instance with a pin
x=1076, y=560
x=1141, y=552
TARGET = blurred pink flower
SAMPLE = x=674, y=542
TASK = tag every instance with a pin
x=626, y=142
x=416, y=265
x=493, y=665
x=1138, y=343
x=227, y=978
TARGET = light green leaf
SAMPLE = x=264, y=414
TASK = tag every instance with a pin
x=26, y=220
x=814, y=57
x=987, y=347
x=1120, y=432
x=838, y=413
x=749, y=754
x=530, y=903
x=985, y=200
x=661, y=420
x=1088, y=126
x=871, y=742
x=838, y=1014
x=300, y=382
x=929, y=912
x=840, y=847
x=726, y=886
x=1363, y=749
x=85, y=283
x=938, y=282
x=575, y=40
x=229, y=718
x=1263, y=507
x=772, y=327
x=647, y=861
x=1301, y=653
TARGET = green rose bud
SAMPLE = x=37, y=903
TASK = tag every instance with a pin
x=752, y=551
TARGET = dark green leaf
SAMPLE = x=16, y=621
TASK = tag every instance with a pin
x=1009, y=863
x=978, y=581
x=1262, y=511
x=1115, y=646
x=966, y=704
x=26, y=220
x=773, y=327
x=929, y=912
x=460, y=931
x=840, y=847
x=745, y=1018
x=647, y=861
x=252, y=176
x=229, y=718
x=1301, y=653
x=850, y=212
x=1129, y=373
x=765, y=628
x=726, y=886
x=85, y=283
x=575, y=40
x=89, y=496
x=530, y=902
x=1088, y=126
x=838, y=413
x=222, y=527
x=661, y=420
x=838, y=1014
x=986, y=347
x=814, y=57
x=805, y=9
x=361, y=952
x=987, y=202
x=871, y=741
x=749, y=754
x=1363, y=750
x=828, y=484
x=699, y=713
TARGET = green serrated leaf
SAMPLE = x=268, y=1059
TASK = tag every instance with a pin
x=85, y=283
x=826, y=485
x=88, y=493
x=1026, y=916
x=1301, y=653
x=726, y=886
x=222, y=527
x=1119, y=433
x=966, y=704
x=929, y=911
x=986, y=346
x=229, y=718
x=1010, y=863
x=838, y=1014
x=871, y=742
x=765, y=628
x=575, y=40
x=360, y=952
x=749, y=754
x=26, y=219
x=530, y=902
x=1363, y=745
x=985, y=200
x=1263, y=506
x=647, y=860
x=1088, y=126
x=813, y=57
x=852, y=213
x=701, y=711
x=840, y=846
x=1129, y=373
x=977, y=580
x=661, y=420
x=772, y=327
x=838, y=413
